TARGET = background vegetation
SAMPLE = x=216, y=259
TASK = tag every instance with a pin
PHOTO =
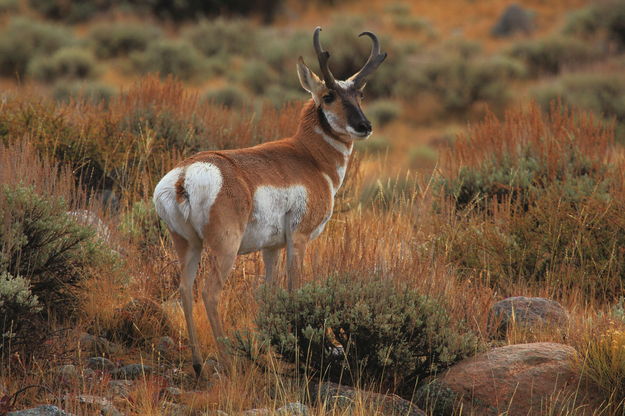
x=496, y=169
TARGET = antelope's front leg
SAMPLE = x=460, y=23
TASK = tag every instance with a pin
x=295, y=250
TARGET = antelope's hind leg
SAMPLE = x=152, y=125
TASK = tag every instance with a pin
x=189, y=253
x=224, y=247
x=270, y=260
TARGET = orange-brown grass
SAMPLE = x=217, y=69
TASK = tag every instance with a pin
x=407, y=237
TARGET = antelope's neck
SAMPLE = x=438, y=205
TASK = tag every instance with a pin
x=330, y=152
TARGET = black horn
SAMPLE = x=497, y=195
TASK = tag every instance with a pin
x=375, y=59
x=323, y=57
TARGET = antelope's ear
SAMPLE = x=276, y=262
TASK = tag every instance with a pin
x=309, y=80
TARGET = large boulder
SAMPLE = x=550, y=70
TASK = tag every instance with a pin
x=528, y=313
x=523, y=379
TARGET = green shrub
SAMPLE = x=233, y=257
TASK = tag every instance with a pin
x=94, y=92
x=422, y=157
x=257, y=76
x=539, y=202
x=390, y=193
x=598, y=19
x=122, y=38
x=373, y=145
x=383, y=112
x=167, y=57
x=551, y=55
x=279, y=96
x=23, y=39
x=142, y=226
x=9, y=6
x=18, y=307
x=66, y=63
x=41, y=243
x=602, y=94
x=223, y=37
x=229, y=96
x=413, y=24
x=393, y=337
x=69, y=11
x=526, y=174
x=458, y=80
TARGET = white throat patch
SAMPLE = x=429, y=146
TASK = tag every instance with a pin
x=340, y=147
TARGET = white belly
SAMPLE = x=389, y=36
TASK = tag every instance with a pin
x=266, y=227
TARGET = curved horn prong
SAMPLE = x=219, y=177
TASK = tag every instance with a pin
x=375, y=59
x=323, y=57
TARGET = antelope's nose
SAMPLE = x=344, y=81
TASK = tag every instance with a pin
x=363, y=127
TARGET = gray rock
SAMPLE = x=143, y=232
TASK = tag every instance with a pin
x=526, y=312
x=120, y=388
x=173, y=392
x=66, y=372
x=339, y=396
x=99, y=345
x=174, y=409
x=257, y=412
x=166, y=346
x=100, y=363
x=100, y=404
x=45, y=410
x=515, y=19
x=293, y=409
x=132, y=371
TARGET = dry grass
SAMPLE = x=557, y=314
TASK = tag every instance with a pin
x=394, y=238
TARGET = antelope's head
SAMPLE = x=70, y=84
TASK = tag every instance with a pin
x=339, y=101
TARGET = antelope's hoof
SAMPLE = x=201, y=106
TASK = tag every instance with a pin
x=198, y=370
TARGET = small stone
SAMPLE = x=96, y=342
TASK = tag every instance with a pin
x=173, y=392
x=99, y=345
x=293, y=409
x=132, y=371
x=515, y=19
x=100, y=363
x=174, y=409
x=528, y=313
x=120, y=388
x=45, y=410
x=104, y=405
x=166, y=346
x=344, y=397
x=66, y=372
x=257, y=412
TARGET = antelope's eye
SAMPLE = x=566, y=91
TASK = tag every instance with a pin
x=362, y=95
x=328, y=98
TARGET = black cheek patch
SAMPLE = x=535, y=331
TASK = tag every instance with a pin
x=353, y=114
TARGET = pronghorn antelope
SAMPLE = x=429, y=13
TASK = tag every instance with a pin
x=265, y=197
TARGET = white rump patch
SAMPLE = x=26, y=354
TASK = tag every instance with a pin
x=266, y=227
x=202, y=183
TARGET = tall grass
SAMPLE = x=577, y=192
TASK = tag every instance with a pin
x=562, y=241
